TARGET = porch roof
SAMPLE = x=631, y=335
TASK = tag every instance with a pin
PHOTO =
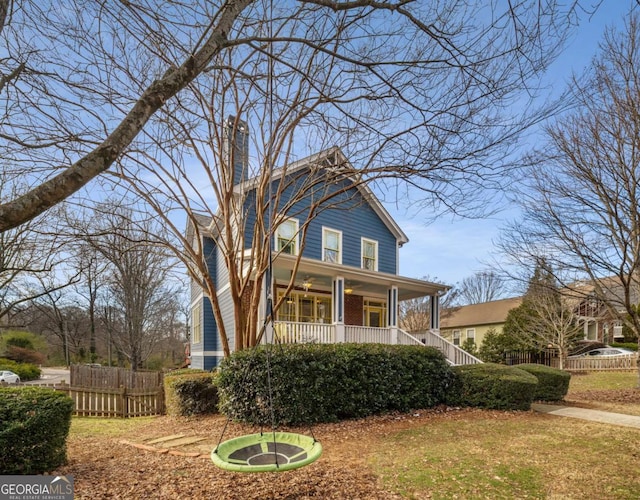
x=361, y=281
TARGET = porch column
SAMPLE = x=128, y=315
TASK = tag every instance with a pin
x=434, y=313
x=338, y=308
x=392, y=313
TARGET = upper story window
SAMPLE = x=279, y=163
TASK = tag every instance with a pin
x=196, y=323
x=331, y=245
x=287, y=237
x=369, y=254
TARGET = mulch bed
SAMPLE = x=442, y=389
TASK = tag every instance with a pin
x=104, y=467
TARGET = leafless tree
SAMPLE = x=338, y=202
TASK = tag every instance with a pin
x=422, y=91
x=546, y=318
x=30, y=258
x=415, y=314
x=581, y=205
x=64, y=324
x=483, y=286
x=137, y=280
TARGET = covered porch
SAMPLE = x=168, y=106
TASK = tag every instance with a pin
x=332, y=303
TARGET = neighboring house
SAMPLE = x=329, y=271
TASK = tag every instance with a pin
x=475, y=320
x=347, y=286
x=599, y=322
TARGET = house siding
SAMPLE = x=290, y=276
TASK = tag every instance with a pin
x=350, y=213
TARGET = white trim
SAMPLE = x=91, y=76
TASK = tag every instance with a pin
x=198, y=298
x=207, y=353
x=362, y=242
x=326, y=229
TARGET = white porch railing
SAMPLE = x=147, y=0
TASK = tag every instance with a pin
x=367, y=335
x=299, y=333
x=453, y=353
x=320, y=333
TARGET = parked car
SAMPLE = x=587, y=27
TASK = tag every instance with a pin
x=9, y=377
x=605, y=352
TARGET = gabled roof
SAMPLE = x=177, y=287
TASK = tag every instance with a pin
x=486, y=313
x=334, y=159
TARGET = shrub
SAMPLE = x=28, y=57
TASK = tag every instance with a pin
x=490, y=385
x=23, y=355
x=190, y=392
x=625, y=345
x=26, y=371
x=553, y=384
x=34, y=424
x=328, y=382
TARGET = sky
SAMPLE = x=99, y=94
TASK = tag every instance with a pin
x=452, y=249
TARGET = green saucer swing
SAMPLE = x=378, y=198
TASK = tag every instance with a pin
x=266, y=452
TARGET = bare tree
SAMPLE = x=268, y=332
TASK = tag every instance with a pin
x=581, y=205
x=546, y=318
x=415, y=314
x=483, y=286
x=137, y=281
x=423, y=92
x=30, y=256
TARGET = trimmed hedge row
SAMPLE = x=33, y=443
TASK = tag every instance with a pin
x=493, y=386
x=553, y=384
x=190, y=392
x=34, y=424
x=329, y=382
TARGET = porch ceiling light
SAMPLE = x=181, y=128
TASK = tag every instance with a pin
x=348, y=290
x=306, y=284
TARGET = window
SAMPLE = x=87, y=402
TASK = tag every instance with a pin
x=369, y=254
x=305, y=308
x=471, y=335
x=456, y=337
x=196, y=323
x=375, y=313
x=331, y=246
x=287, y=237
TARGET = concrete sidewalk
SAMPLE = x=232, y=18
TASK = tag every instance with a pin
x=604, y=417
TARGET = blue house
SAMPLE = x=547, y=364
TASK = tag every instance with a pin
x=335, y=261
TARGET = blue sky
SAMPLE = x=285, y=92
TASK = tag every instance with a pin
x=452, y=249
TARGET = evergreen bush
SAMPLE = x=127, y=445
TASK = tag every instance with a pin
x=34, y=425
x=493, y=386
x=553, y=384
x=312, y=383
x=190, y=392
x=26, y=371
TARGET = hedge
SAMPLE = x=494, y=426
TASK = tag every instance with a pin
x=553, y=384
x=313, y=383
x=492, y=386
x=190, y=392
x=34, y=425
x=26, y=371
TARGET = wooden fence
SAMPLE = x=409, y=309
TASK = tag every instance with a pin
x=122, y=403
x=599, y=364
x=113, y=377
x=114, y=392
x=579, y=364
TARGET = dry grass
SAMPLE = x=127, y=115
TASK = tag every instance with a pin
x=608, y=391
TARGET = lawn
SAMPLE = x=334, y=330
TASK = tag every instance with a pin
x=442, y=454
x=608, y=391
